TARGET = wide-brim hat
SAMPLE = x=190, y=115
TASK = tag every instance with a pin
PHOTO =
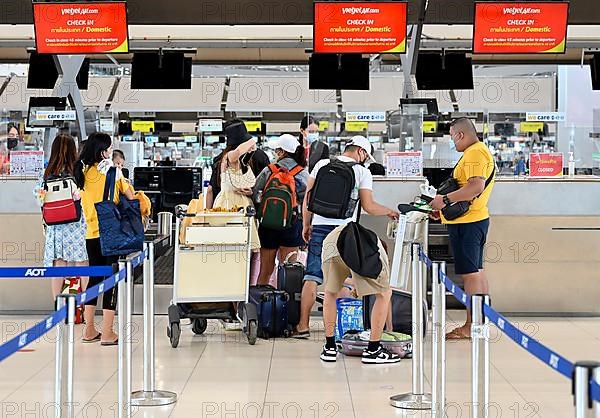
x=236, y=133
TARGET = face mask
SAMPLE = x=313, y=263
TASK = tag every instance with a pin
x=312, y=137
x=12, y=143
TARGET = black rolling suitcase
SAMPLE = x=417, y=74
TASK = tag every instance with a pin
x=271, y=308
x=401, y=311
x=290, y=277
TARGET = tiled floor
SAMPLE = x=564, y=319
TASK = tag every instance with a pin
x=220, y=375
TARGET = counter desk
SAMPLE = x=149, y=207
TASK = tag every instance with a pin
x=22, y=245
x=542, y=255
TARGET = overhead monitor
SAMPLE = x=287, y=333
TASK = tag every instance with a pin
x=338, y=72
x=444, y=71
x=164, y=70
x=520, y=27
x=42, y=72
x=81, y=27
x=376, y=27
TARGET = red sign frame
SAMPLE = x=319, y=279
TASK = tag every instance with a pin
x=100, y=27
x=361, y=12
x=491, y=13
x=539, y=167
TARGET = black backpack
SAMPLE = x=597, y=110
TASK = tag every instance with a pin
x=331, y=195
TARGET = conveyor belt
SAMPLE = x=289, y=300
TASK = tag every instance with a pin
x=163, y=270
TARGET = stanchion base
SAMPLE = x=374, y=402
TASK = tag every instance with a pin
x=155, y=398
x=411, y=401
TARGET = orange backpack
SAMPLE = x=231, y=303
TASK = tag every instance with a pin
x=278, y=203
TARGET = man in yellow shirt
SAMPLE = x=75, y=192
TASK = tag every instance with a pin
x=468, y=232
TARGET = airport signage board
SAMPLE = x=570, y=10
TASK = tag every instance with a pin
x=210, y=125
x=365, y=116
x=549, y=164
x=60, y=115
x=376, y=27
x=81, y=28
x=356, y=126
x=545, y=117
x=520, y=27
x=143, y=126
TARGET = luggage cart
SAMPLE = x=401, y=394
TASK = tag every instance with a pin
x=211, y=272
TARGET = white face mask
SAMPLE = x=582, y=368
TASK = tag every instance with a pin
x=312, y=137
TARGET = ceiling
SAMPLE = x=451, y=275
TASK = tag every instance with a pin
x=271, y=12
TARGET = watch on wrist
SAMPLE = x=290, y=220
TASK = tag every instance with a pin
x=446, y=200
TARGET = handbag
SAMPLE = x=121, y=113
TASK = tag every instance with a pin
x=359, y=249
x=60, y=207
x=457, y=209
x=120, y=224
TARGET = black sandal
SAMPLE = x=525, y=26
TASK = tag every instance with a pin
x=92, y=340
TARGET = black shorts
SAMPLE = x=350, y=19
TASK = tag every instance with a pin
x=272, y=239
x=467, y=242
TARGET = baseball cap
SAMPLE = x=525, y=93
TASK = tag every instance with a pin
x=362, y=142
x=288, y=143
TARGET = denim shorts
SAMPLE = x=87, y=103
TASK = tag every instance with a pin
x=314, y=272
x=467, y=242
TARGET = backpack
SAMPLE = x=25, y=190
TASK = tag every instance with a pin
x=59, y=206
x=331, y=195
x=278, y=200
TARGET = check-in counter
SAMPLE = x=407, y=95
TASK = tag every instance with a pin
x=543, y=247
x=22, y=244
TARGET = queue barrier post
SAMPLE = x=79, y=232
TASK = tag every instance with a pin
x=65, y=359
x=438, y=363
x=583, y=373
x=417, y=399
x=480, y=357
x=596, y=378
x=125, y=299
x=149, y=396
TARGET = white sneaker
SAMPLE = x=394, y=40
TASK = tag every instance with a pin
x=381, y=356
x=329, y=354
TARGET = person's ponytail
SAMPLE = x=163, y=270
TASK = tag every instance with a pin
x=300, y=156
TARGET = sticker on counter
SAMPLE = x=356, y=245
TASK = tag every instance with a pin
x=549, y=164
x=404, y=164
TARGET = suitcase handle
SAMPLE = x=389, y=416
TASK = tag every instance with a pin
x=287, y=257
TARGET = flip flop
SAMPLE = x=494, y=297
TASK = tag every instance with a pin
x=92, y=340
x=456, y=335
x=302, y=335
x=109, y=343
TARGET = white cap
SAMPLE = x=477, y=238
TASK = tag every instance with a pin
x=362, y=142
x=288, y=143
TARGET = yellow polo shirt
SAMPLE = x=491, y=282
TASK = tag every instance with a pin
x=477, y=161
x=92, y=193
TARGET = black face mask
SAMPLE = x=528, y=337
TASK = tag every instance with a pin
x=12, y=143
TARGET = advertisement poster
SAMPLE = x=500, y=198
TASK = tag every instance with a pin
x=26, y=163
x=404, y=164
x=81, y=28
x=546, y=164
x=359, y=27
x=520, y=27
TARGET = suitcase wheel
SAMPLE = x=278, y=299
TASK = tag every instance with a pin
x=287, y=333
x=173, y=332
x=199, y=326
x=252, y=331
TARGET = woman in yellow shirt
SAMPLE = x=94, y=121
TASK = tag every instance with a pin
x=95, y=161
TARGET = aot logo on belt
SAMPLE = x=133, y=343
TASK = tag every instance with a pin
x=35, y=272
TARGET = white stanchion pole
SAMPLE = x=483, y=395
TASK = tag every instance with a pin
x=480, y=357
x=149, y=396
x=124, y=360
x=596, y=376
x=438, y=363
x=65, y=359
x=417, y=399
x=584, y=405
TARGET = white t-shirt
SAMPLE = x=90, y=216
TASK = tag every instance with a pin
x=363, y=180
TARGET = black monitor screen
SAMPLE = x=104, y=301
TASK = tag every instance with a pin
x=449, y=71
x=338, y=72
x=44, y=104
x=178, y=180
x=169, y=70
x=504, y=129
x=42, y=72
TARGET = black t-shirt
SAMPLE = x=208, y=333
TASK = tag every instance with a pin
x=259, y=159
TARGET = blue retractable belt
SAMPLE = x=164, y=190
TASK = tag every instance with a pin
x=53, y=272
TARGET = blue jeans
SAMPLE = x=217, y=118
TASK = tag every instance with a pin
x=314, y=273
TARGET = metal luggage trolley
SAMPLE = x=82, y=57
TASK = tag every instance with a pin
x=212, y=272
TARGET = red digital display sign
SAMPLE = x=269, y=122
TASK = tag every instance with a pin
x=81, y=28
x=520, y=28
x=359, y=27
